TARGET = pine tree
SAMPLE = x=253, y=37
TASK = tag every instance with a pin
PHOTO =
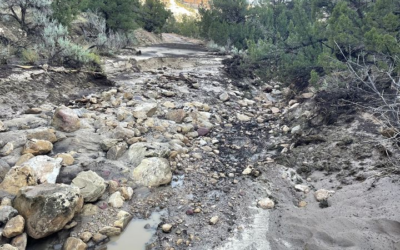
x=120, y=15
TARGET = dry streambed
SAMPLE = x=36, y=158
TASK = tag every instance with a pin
x=195, y=162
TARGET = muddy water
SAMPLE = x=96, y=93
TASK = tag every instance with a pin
x=137, y=234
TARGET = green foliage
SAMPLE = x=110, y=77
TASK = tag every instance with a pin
x=314, y=78
x=294, y=40
x=153, y=16
x=188, y=26
x=29, y=56
x=60, y=49
x=21, y=10
x=120, y=15
x=65, y=11
x=225, y=23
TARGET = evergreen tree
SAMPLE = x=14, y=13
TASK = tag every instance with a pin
x=65, y=11
x=154, y=15
x=119, y=14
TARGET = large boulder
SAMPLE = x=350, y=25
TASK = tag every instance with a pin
x=47, y=208
x=153, y=172
x=45, y=167
x=17, y=178
x=144, y=110
x=37, y=147
x=65, y=119
x=92, y=186
x=141, y=150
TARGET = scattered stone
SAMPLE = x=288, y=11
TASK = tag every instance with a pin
x=203, y=131
x=73, y=243
x=6, y=213
x=117, y=151
x=70, y=225
x=98, y=238
x=169, y=104
x=65, y=119
x=116, y=200
x=45, y=135
x=6, y=202
x=275, y=110
x=7, y=247
x=33, y=111
x=302, y=188
x=176, y=115
x=90, y=209
x=323, y=194
x=307, y=95
x=37, y=147
x=302, y=204
x=4, y=168
x=14, y=227
x=126, y=192
x=47, y=208
x=144, y=110
x=296, y=130
x=24, y=158
x=123, y=219
x=20, y=241
x=168, y=93
x=110, y=231
x=112, y=186
x=106, y=144
x=243, y=118
x=67, y=159
x=166, y=228
x=152, y=172
x=224, y=97
x=3, y=127
x=214, y=220
x=46, y=168
x=17, y=178
x=91, y=185
x=141, y=150
x=266, y=203
x=85, y=236
x=247, y=171
x=7, y=149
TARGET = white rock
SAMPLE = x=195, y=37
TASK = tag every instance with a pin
x=224, y=97
x=302, y=188
x=247, y=171
x=116, y=200
x=296, y=130
x=323, y=194
x=266, y=203
x=243, y=118
x=214, y=220
x=45, y=167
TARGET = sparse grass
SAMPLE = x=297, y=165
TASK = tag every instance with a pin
x=30, y=56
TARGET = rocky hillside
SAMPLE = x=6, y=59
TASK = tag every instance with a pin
x=228, y=167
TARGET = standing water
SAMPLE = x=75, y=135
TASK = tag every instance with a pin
x=137, y=234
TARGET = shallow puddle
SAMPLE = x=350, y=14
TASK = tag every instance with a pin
x=137, y=234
